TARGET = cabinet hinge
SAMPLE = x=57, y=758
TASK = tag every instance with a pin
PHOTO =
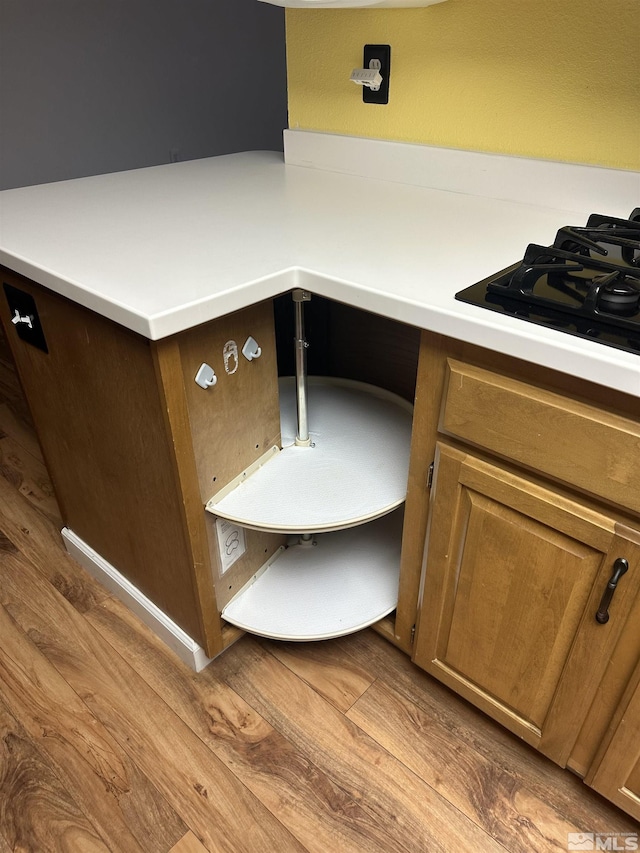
x=413, y=634
x=430, y=476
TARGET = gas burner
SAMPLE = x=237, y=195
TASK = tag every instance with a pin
x=617, y=294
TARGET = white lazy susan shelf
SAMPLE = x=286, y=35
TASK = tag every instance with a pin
x=354, y=471
x=334, y=585
x=347, y=487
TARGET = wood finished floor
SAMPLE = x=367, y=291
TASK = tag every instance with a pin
x=109, y=743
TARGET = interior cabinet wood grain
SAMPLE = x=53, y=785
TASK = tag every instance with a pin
x=513, y=577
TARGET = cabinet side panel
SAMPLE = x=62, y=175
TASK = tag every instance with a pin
x=429, y=388
x=168, y=366
x=232, y=424
x=237, y=420
x=96, y=407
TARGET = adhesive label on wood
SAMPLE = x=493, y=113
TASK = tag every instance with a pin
x=231, y=543
x=230, y=357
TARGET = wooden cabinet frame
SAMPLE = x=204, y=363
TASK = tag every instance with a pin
x=515, y=632
x=606, y=411
x=616, y=770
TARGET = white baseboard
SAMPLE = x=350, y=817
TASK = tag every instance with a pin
x=548, y=183
x=165, y=629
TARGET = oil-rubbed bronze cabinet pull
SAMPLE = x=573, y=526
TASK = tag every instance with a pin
x=619, y=568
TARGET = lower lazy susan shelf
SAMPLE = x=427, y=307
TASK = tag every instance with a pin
x=355, y=471
x=345, y=582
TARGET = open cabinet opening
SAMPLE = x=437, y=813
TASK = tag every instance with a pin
x=327, y=511
x=349, y=343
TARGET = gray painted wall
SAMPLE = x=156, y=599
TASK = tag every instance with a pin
x=95, y=86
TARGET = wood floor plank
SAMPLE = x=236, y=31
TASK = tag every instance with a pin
x=472, y=729
x=29, y=476
x=37, y=813
x=211, y=801
x=188, y=844
x=481, y=789
x=413, y=816
x=39, y=540
x=328, y=667
x=126, y=809
x=306, y=800
x=282, y=754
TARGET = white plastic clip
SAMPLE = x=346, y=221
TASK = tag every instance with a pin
x=251, y=350
x=369, y=77
x=206, y=377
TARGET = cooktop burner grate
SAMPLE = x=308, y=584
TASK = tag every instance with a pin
x=586, y=284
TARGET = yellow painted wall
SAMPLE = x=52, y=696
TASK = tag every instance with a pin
x=556, y=79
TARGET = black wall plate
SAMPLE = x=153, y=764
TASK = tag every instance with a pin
x=28, y=328
x=382, y=52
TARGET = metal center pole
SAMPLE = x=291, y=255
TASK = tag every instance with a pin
x=301, y=346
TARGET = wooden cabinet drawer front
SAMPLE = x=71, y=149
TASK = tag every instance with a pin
x=571, y=441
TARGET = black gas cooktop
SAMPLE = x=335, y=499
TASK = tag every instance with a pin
x=586, y=284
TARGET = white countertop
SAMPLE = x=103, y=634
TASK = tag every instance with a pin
x=162, y=249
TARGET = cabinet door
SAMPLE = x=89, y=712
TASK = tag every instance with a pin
x=513, y=578
x=618, y=774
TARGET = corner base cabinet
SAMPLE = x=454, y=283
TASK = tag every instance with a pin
x=137, y=447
